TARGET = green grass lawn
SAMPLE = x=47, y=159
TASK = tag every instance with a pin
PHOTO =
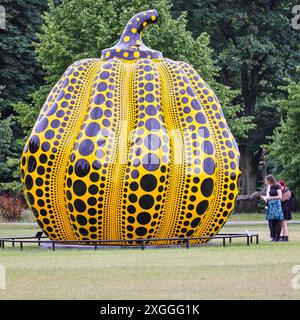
x=261, y=271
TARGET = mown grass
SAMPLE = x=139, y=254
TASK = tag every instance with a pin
x=261, y=271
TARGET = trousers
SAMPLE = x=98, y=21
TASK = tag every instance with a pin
x=275, y=228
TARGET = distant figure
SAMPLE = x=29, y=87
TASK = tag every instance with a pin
x=274, y=208
x=287, y=213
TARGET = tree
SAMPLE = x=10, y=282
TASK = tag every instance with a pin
x=284, y=151
x=6, y=154
x=78, y=29
x=256, y=47
x=20, y=74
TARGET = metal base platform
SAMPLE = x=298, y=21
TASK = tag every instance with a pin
x=46, y=243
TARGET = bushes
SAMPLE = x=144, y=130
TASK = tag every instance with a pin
x=11, y=207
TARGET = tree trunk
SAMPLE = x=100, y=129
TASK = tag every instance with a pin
x=250, y=81
x=249, y=178
x=263, y=164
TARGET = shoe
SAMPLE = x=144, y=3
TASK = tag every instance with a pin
x=271, y=239
x=284, y=239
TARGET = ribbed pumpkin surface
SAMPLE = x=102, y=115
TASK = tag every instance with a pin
x=130, y=147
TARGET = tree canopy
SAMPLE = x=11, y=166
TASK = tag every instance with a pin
x=20, y=75
x=256, y=47
x=284, y=151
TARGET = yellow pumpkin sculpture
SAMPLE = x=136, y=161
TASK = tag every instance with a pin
x=130, y=146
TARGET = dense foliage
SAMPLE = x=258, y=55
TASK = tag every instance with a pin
x=20, y=75
x=256, y=47
x=284, y=152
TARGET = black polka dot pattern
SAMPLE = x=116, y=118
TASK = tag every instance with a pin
x=94, y=155
x=129, y=147
x=226, y=182
x=147, y=175
x=195, y=147
x=46, y=154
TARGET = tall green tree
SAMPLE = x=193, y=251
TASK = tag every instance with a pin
x=7, y=153
x=256, y=47
x=20, y=74
x=284, y=151
x=78, y=29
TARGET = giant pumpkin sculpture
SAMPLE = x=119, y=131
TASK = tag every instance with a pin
x=130, y=146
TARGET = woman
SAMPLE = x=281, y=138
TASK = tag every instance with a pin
x=287, y=214
x=274, y=209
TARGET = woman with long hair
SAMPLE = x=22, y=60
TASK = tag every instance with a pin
x=286, y=196
x=274, y=208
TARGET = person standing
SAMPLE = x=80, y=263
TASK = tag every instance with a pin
x=287, y=213
x=274, y=208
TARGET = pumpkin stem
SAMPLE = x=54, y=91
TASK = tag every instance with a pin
x=135, y=26
x=131, y=46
